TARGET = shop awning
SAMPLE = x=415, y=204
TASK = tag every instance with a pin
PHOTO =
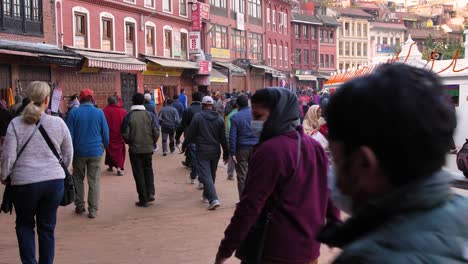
x=266, y=69
x=233, y=68
x=306, y=77
x=218, y=77
x=111, y=60
x=174, y=63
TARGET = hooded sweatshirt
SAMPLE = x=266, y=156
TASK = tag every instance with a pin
x=208, y=132
x=312, y=120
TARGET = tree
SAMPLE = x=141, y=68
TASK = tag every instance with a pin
x=448, y=50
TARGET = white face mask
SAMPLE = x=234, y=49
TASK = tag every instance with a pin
x=340, y=200
x=257, y=127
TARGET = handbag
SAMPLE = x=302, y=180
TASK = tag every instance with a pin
x=69, y=190
x=7, y=199
x=251, y=249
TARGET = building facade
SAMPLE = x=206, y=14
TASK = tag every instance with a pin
x=353, y=37
x=385, y=39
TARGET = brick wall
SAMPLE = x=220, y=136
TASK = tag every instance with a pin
x=48, y=27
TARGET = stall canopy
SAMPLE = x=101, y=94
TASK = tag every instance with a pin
x=218, y=77
x=306, y=77
x=231, y=67
x=111, y=60
x=267, y=69
x=174, y=63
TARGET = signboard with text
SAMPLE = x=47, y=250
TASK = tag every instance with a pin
x=220, y=53
x=240, y=21
x=194, y=42
x=205, y=10
x=196, y=17
x=204, y=67
x=176, y=48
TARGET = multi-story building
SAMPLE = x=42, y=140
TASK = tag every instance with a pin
x=353, y=37
x=327, y=47
x=111, y=37
x=386, y=39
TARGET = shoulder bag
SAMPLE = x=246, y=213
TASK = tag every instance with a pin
x=7, y=200
x=69, y=191
x=251, y=249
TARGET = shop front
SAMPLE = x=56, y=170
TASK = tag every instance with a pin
x=236, y=76
x=271, y=77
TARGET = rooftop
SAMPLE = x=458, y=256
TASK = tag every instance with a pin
x=305, y=18
x=425, y=32
x=387, y=25
x=353, y=12
x=329, y=21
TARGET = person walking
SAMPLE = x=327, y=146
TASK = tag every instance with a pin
x=231, y=165
x=36, y=176
x=115, y=151
x=177, y=105
x=286, y=181
x=207, y=132
x=140, y=130
x=148, y=105
x=183, y=98
x=90, y=134
x=242, y=139
x=169, y=120
x=187, y=117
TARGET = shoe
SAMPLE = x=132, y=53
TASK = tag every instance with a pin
x=213, y=205
x=200, y=186
x=230, y=178
x=110, y=169
x=205, y=200
x=92, y=214
x=192, y=181
x=164, y=154
x=156, y=148
x=120, y=173
x=172, y=151
x=79, y=210
x=151, y=198
x=140, y=204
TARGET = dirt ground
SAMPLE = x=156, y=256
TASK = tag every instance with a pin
x=176, y=229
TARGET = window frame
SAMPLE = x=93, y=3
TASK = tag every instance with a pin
x=268, y=19
x=130, y=22
x=297, y=31
x=186, y=8
x=305, y=31
x=77, y=10
x=306, y=57
x=256, y=54
x=238, y=37
x=186, y=49
x=110, y=30
x=153, y=44
x=153, y=6
x=218, y=4
x=223, y=31
x=280, y=55
x=274, y=55
x=167, y=9
x=274, y=20
x=171, y=30
x=298, y=57
x=269, y=55
x=286, y=56
x=255, y=9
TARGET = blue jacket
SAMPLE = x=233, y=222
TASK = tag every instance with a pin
x=183, y=100
x=89, y=131
x=241, y=135
x=178, y=105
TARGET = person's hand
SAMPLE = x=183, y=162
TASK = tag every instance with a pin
x=234, y=159
x=220, y=260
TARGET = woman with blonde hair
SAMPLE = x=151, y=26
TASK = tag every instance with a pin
x=313, y=120
x=35, y=174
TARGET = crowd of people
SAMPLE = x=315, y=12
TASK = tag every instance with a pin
x=374, y=149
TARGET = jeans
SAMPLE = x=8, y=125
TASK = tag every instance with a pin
x=142, y=167
x=231, y=166
x=242, y=166
x=168, y=132
x=207, y=176
x=90, y=166
x=40, y=201
x=193, y=157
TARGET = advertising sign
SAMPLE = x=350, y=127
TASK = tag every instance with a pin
x=196, y=17
x=205, y=10
x=176, y=49
x=220, y=53
x=194, y=42
x=205, y=67
x=240, y=21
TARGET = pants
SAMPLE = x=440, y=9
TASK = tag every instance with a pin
x=90, y=166
x=207, y=176
x=168, y=132
x=142, y=167
x=40, y=201
x=193, y=161
x=231, y=166
x=242, y=166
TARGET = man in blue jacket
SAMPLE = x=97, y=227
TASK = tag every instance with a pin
x=90, y=134
x=241, y=140
x=183, y=98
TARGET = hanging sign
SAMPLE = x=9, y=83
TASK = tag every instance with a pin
x=205, y=10
x=56, y=100
x=196, y=17
x=195, y=43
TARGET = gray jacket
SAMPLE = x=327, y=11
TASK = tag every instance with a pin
x=169, y=117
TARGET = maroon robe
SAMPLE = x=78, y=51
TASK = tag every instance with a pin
x=115, y=152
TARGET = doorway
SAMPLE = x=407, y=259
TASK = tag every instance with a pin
x=128, y=89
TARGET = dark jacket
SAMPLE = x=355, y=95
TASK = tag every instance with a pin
x=5, y=119
x=169, y=117
x=302, y=207
x=208, y=133
x=423, y=222
x=241, y=135
x=187, y=116
x=140, y=130
x=150, y=108
x=178, y=105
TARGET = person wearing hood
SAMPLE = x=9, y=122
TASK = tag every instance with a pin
x=17, y=105
x=207, y=132
x=286, y=182
x=313, y=120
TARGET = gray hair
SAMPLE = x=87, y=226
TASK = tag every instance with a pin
x=112, y=100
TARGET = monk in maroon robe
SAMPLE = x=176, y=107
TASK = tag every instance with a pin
x=115, y=152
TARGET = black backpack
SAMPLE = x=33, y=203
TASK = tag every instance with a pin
x=462, y=158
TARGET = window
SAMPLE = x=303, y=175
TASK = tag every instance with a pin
x=297, y=31
x=168, y=42
x=280, y=55
x=149, y=3
x=130, y=47
x=313, y=33
x=167, y=6
x=255, y=8
x=298, y=56
x=256, y=46
x=238, y=43
x=150, y=49
x=340, y=66
x=286, y=57
x=340, y=48
x=106, y=40
x=384, y=40
x=184, y=45
x=81, y=30
x=306, y=57
x=217, y=3
x=314, y=57
x=351, y=30
x=332, y=61
x=359, y=49
x=274, y=55
x=219, y=37
x=269, y=55
x=238, y=6
x=327, y=62
x=346, y=29
x=346, y=48
x=183, y=8
x=397, y=41
x=359, y=29
x=332, y=37
x=305, y=32
x=280, y=22
x=364, y=30
x=274, y=20
x=321, y=61
x=268, y=19
x=364, y=49
x=285, y=19
x=352, y=49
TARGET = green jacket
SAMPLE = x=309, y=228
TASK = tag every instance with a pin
x=424, y=222
x=228, y=122
x=140, y=130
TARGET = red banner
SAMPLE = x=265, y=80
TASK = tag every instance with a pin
x=205, y=10
x=196, y=17
x=205, y=67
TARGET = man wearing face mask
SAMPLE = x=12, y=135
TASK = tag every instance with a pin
x=207, y=132
x=403, y=207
